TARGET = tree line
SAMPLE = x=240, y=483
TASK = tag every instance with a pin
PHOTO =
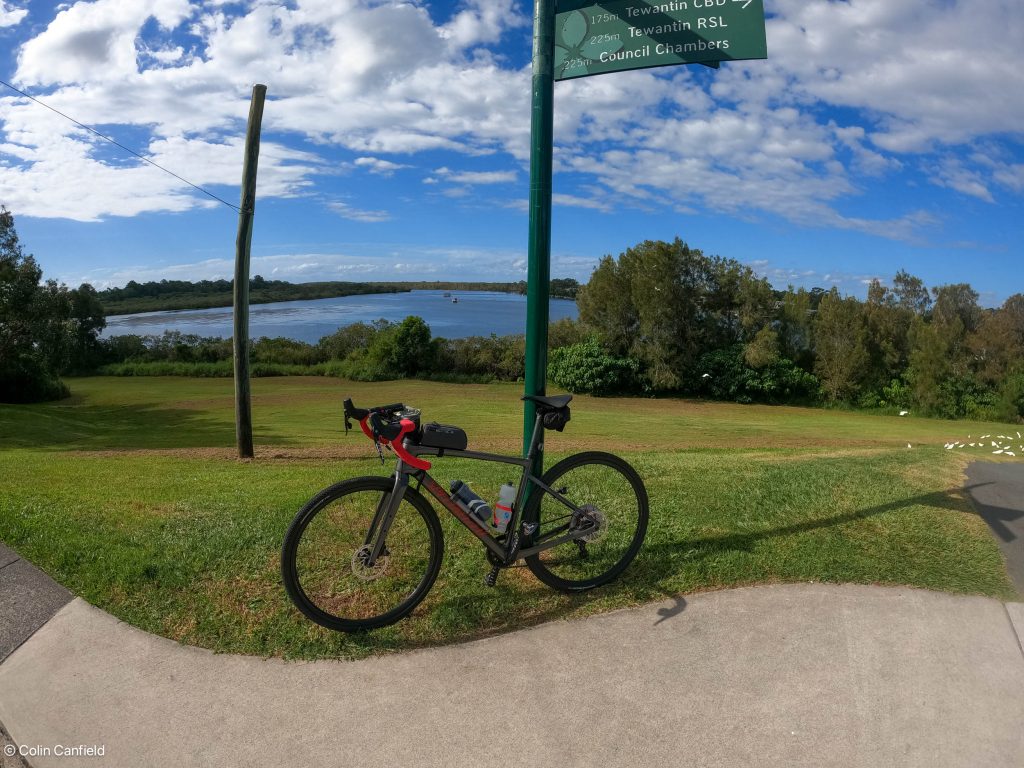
x=166, y=295
x=46, y=329
x=667, y=318
x=661, y=318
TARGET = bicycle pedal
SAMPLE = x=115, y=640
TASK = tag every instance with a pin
x=492, y=578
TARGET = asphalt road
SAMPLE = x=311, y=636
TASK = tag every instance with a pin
x=998, y=494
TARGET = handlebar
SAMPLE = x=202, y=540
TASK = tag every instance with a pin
x=379, y=425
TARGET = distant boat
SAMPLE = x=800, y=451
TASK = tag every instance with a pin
x=447, y=294
x=455, y=300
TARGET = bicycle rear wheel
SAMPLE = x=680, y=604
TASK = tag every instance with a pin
x=604, y=493
x=324, y=560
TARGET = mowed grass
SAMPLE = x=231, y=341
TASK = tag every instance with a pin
x=129, y=494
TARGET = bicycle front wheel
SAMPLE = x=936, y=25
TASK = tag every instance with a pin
x=325, y=558
x=601, y=492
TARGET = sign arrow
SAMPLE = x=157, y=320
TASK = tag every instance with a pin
x=745, y=3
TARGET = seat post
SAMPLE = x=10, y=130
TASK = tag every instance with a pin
x=536, y=442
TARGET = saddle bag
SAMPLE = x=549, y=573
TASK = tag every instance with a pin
x=557, y=419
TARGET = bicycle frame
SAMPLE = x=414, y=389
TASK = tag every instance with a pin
x=509, y=551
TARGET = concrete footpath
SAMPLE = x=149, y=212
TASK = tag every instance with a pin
x=788, y=675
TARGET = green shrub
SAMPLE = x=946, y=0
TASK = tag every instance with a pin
x=725, y=375
x=285, y=351
x=28, y=381
x=217, y=370
x=897, y=394
x=349, y=339
x=586, y=368
x=1011, y=395
x=964, y=397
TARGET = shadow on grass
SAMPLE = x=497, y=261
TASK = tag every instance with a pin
x=648, y=578
x=659, y=566
x=72, y=425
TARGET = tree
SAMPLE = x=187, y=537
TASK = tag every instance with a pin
x=840, y=345
x=403, y=349
x=763, y=350
x=606, y=306
x=957, y=302
x=911, y=293
x=996, y=346
x=87, y=322
x=888, y=338
x=666, y=304
x=795, y=324
x=33, y=324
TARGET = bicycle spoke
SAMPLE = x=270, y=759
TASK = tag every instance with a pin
x=328, y=559
x=609, y=520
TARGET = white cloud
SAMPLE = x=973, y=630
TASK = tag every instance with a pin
x=953, y=174
x=11, y=15
x=574, y=201
x=483, y=21
x=914, y=65
x=378, y=166
x=383, y=79
x=96, y=39
x=346, y=211
x=476, y=177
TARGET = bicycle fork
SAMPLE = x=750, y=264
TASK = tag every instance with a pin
x=384, y=516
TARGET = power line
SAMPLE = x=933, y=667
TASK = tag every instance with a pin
x=122, y=146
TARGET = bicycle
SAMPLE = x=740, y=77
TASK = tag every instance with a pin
x=364, y=552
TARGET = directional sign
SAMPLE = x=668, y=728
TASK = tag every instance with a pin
x=616, y=35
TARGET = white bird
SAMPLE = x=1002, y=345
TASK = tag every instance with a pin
x=984, y=437
x=1011, y=453
x=706, y=376
x=997, y=452
x=949, y=446
x=909, y=445
x=904, y=413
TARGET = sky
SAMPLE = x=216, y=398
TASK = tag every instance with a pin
x=879, y=135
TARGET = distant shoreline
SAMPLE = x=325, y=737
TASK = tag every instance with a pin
x=182, y=296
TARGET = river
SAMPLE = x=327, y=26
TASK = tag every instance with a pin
x=477, y=313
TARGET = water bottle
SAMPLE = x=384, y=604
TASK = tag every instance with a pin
x=503, y=509
x=478, y=509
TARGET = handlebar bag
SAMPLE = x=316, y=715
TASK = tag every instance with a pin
x=444, y=436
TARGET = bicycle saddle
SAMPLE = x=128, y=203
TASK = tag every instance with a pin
x=555, y=401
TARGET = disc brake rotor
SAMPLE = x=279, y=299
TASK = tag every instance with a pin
x=365, y=572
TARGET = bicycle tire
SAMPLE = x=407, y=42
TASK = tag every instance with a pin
x=348, y=596
x=613, y=490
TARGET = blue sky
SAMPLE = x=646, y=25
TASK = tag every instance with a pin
x=878, y=136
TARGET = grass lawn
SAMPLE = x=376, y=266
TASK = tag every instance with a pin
x=129, y=494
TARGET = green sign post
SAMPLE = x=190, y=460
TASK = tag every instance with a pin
x=538, y=276
x=591, y=39
x=587, y=38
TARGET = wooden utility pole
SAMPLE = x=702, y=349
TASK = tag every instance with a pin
x=243, y=244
